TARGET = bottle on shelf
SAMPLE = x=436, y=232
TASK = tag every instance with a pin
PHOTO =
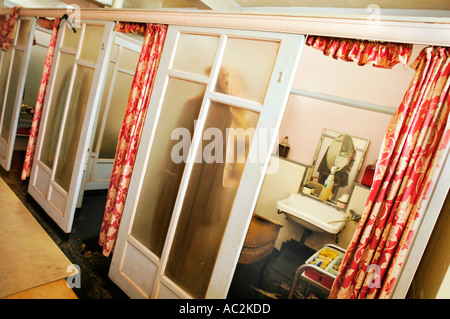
x=284, y=147
x=325, y=193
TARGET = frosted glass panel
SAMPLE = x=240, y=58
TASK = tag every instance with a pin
x=72, y=129
x=118, y=103
x=12, y=91
x=25, y=26
x=56, y=108
x=91, y=43
x=6, y=60
x=195, y=53
x=246, y=68
x=180, y=109
x=71, y=39
x=208, y=202
x=115, y=52
x=129, y=60
x=101, y=112
x=34, y=74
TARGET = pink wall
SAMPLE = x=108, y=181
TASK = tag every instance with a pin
x=305, y=118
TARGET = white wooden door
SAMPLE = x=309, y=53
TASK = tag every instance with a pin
x=70, y=106
x=121, y=68
x=14, y=66
x=213, y=119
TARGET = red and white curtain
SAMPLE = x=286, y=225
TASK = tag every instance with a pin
x=51, y=25
x=131, y=130
x=7, y=26
x=378, y=54
x=411, y=153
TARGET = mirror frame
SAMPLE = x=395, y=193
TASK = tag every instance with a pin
x=328, y=136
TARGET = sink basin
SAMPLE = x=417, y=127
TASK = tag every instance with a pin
x=312, y=213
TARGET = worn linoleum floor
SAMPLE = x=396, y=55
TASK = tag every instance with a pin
x=29, y=257
x=80, y=246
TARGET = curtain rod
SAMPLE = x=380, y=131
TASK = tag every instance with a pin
x=390, y=29
x=345, y=101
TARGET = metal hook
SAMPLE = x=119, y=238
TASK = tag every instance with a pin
x=65, y=16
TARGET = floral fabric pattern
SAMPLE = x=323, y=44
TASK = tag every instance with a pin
x=29, y=156
x=130, y=27
x=46, y=23
x=131, y=130
x=379, y=54
x=411, y=153
x=7, y=28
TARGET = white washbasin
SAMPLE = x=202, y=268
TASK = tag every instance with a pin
x=313, y=214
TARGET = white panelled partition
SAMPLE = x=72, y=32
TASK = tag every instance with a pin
x=71, y=101
x=215, y=111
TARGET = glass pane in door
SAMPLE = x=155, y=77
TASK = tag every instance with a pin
x=209, y=198
x=128, y=59
x=165, y=166
x=104, y=100
x=6, y=60
x=195, y=53
x=71, y=39
x=72, y=129
x=35, y=68
x=117, y=106
x=25, y=26
x=11, y=97
x=56, y=108
x=91, y=43
x=247, y=67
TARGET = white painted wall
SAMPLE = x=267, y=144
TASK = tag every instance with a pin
x=305, y=118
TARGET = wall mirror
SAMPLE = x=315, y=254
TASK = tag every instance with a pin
x=344, y=152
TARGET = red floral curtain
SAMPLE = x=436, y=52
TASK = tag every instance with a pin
x=410, y=155
x=132, y=124
x=53, y=24
x=379, y=54
x=7, y=28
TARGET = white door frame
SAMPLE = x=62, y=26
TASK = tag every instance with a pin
x=58, y=203
x=126, y=245
x=7, y=146
x=98, y=171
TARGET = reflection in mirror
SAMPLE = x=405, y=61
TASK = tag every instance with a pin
x=339, y=153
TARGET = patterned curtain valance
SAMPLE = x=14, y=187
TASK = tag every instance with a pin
x=46, y=23
x=379, y=54
x=130, y=27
